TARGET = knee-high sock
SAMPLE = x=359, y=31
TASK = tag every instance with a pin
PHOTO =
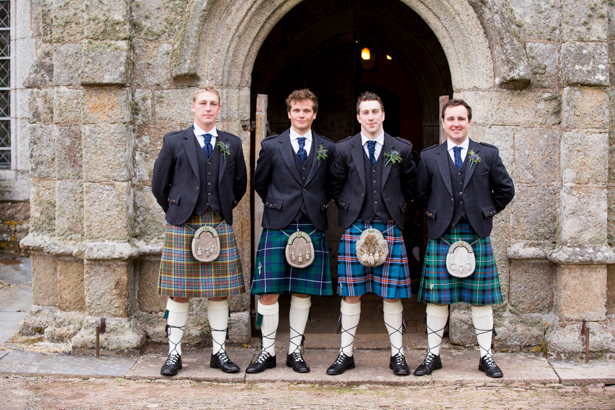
x=482, y=317
x=351, y=313
x=217, y=312
x=269, y=325
x=393, y=318
x=176, y=320
x=436, y=322
x=298, y=317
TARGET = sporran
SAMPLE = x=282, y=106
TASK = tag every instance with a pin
x=372, y=249
x=460, y=259
x=206, y=244
x=299, y=250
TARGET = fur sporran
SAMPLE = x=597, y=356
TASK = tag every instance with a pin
x=299, y=250
x=372, y=248
x=460, y=260
x=206, y=244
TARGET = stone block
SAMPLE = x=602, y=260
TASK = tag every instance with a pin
x=14, y=186
x=69, y=209
x=563, y=341
x=544, y=60
x=67, y=20
x=41, y=106
x=42, y=151
x=26, y=60
x=581, y=292
x=534, y=213
x=501, y=137
x=610, y=290
x=40, y=74
x=149, y=217
x=142, y=106
x=585, y=63
x=107, y=152
x=520, y=331
x=109, y=105
x=532, y=286
x=108, y=20
x=20, y=103
x=67, y=105
x=67, y=64
x=148, y=298
x=148, y=142
x=15, y=211
x=240, y=303
x=44, y=280
x=106, y=63
x=152, y=64
x=123, y=337
x=21, y=21
x=108, y=211
x=537, y=19
x=69, y=153
x=42, y=205
x=109, y=288
x=20, y=145
x=584, y=21
x=71, y=294
x=585, y=108
x=174, y=105
x=235, y=104
x=583, y=215
x=611, y=215
x=461, y=329
x=583, y=158
x=536, y=156
x=157, y=19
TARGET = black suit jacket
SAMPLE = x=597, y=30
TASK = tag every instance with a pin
x=278, y=183
x=176, y=181
x=487, y=188
x=348, y=179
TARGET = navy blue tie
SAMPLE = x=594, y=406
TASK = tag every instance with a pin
x=458, y=161
x=301, y=152
x=207, y=146
x=371, y=147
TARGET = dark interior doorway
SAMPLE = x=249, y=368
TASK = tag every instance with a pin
x=320, y=45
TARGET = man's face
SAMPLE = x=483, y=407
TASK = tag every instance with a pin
x=371, y=117
x=301, y=116
x=456, y=123
x=206, y=109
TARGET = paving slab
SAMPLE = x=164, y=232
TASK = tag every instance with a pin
x=16, y=298
x=372, y=367
x=9, y=322
x=40, y=364
x=462, y=366
x=195, y=366
x=3, y=353
x=577, y=373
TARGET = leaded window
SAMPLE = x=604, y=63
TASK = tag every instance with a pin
x=5, y=84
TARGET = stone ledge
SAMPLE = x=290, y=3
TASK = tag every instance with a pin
x=526, y=251
x=107, y=250
x=582, y=255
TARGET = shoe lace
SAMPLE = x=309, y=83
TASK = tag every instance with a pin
x=174, y=349
x=222, y=356
x=401, y=330
x=429, y=359
x=262, y=357
x=297, y=357
x=399, y=359
x=488, y=360
x=300, y=345
x=340, y=358
x=221, y=349
x=172, y=359
x=485, y=351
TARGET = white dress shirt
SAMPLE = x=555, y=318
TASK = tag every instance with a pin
x=379, y=144
x=198, y=133
x=295, y=143
x=464, y=149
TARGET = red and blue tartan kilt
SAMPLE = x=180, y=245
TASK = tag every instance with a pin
x=273, y=275
x=480, y=288
x=391, y=280
x=183, y=276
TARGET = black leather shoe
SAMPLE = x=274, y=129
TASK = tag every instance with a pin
x=221, y=361
x=431, y=363
x=172, y=365
x=398, y=365
x=487, y=365
x=341, y=364
x=262, y=362
x=296, y=361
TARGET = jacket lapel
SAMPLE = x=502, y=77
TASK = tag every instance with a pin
x=358, y=157
x=476, y=148
x=389, y=145
x=221, y=162
x=316, y=141
x=287, y=152
x=442, y=160
x=190, y=152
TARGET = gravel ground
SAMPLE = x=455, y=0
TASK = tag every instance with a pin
x=58, y=393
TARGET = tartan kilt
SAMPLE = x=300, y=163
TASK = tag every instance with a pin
x=273, y=275
x=183, y=276
x=391, y=280
x=438, y=286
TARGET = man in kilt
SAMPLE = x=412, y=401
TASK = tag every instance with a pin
x=199, y=177
x=462, y=185
x=291, y=179
x=373, y=179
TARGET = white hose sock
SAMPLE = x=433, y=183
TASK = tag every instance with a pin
x=482, y=317
x=351, y=313
x=269, y=325
x=176, y=322
x=393, y=320
x=437, y=316
x=298, y=317
x=217, y=312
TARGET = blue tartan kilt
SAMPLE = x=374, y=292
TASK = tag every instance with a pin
x=273, y=275
x=438, y=286
x=391, y=280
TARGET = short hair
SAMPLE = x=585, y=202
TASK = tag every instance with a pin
x=455, y=103
x=369, y=96
x=205, y=88
x=302, y=95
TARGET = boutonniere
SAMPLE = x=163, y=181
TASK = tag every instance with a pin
x=224, y=148
x=322, y=153
x=474, y=158
x=393, y=157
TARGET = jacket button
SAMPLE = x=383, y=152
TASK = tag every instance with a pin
x=362, y=195
x=460, y=183
x=209, y=173
x=374, y=181
x=461, y=193
x=169, y=184
x=209, y=183
x=452, y=200
x=303, y=178
x=275, y=205
x=374, y=171
x=304, y=190
x=304, y=168
x=197, y=188
x=267, y=203
x=459, y=173
x=209, y=194
x=461, y=202
x=207, y=204
x=169, y=199
x=375, y=202
x=209, y=163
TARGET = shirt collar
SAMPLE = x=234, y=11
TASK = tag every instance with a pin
x=450, y=145
x=199, y=131
x=379, y=139
x=294, y=135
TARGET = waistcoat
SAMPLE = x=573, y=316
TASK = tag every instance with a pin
x=373, y=205
x=208, y=175
x=457, y=177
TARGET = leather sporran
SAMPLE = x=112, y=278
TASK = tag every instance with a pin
x=372, y=248
x=206, y=244
x=460, y=259
x=299, y=250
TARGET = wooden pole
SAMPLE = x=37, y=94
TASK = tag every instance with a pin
x=261, y=133
x=442, y=100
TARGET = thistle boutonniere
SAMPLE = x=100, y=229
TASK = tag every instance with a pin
x=322, y=153
x=224, y=148
x=474, y=158
x=393, y=156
